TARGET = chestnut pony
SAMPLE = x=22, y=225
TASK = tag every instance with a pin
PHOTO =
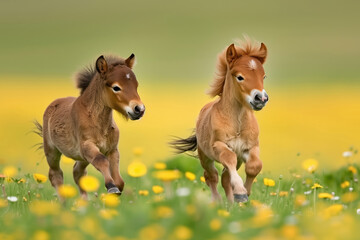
x=83, y=128
x=226, y=129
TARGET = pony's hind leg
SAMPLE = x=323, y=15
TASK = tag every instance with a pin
x=252, y=168
x=53, y=156
x=79, y=170
x=210, y=174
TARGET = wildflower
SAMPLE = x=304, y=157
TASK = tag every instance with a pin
x=308, y=192
x=41, y=235
x=289, y=231
x=108, y=213
x=182, y=233
x=167, y=175
x=263, y=216
x=352, y=169
x=10, y=171
x=143, y=192
x=325, y=196
x=273, y=193
x=138, y=151
x=333, y=210
x=3, y=203
x=190, y=176
x=202, y=179
x=39, y=178
x=300, y=200
x=164, y=212
x=21, y=180
x=215, y=224
x=255, y=203
x=345, y=184
x=157, y=189
x=110, y=200
x=183, y=192
x=316, y=185
x=347, y=154
x=12, y=199
x=43, y=208
x=137, y=169
x=269, y=182
x=24, y=199
x=67, y=191
x=160, y=166
x=152, y=232
x=89, y=183
x=349, y=197
x=223, y=213
x=310, y=165
x=283, y=193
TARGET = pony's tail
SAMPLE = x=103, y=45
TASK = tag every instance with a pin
x=38, y=130
x=182, y=145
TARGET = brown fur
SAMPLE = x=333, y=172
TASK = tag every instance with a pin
x=83, y=128
x=227, y=130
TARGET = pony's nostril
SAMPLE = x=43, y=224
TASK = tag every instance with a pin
x=258, y=97
x=137, y=109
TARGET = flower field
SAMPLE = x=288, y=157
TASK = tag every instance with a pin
x=170, y=200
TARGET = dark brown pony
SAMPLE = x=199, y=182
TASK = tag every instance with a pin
x=83, y=128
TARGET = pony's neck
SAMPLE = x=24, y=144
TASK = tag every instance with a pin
x=93, y=101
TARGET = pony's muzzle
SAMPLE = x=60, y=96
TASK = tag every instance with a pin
x=259, y=99
x=136, y=112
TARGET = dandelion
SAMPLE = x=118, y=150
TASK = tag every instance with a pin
x=316, y=185
x=24, y=199
x=333, y=210
x=43, y=208
x=345, y=184
x=137, y=169
x=157, y=189
x=202, y=179
x=143, y=192
x=310, y=165
x=110, y=200
x=39, y=178
x=191, y=176
x=325, y=196
x=273, y=193
x=89, y=183
x=269, y=182
x=159, y=166
x=164, y=212
x=12, y=199
x=152, y=232
x=223, y=213
x=352, y=169
x=108, y=214
x=283, y=194
x=300, y=200
x=3, y=203
x=41, y=235
x=183, y=233
x=67, y=191
x=21, y=180
x=263, y=216
x=215, y=224
x=349, y=197
x=289, y=231
x=167, y=175
x=10, y=171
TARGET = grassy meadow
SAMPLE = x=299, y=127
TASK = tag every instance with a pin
x=309, y=130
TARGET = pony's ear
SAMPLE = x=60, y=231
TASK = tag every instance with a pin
x=130, y=61
x=262, y=53
x=101, y=65
x=231, y=54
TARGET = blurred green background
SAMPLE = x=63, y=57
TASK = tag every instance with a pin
x=312, y=69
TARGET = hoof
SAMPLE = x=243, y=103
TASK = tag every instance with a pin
x=114, y=190
x=241, y=198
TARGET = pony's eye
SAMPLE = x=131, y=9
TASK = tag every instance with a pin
x=116, y=89
x=239, y=78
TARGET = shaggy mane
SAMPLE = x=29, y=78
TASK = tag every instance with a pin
x=84, y=77
x=246, y=47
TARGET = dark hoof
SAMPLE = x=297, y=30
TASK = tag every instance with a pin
x=241, y=198
x=114, y=190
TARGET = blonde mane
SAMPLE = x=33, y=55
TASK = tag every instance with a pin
x=246, y=47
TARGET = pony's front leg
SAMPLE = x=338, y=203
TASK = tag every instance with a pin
x=252, y=168
x=93, y=155
x=229, y=160
x=114, y=169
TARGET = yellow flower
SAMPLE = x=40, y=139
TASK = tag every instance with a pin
x=352, y=169
x=269, y=182
x=190, y=176
x=263, y=216
x=110, y=200
x=223, y=213
x=182, y=233
x=283, y=193
x=43, y=208
x=152, y=232
x=163, y=212
x=333, y=210
x=41, y=235
x=89, y=183
x=215, y=224
x=310, y=165
x=108, y=213
x=67, y=191
x=143, y=192
x=3, y=203
x=289, y=231
x=10, y=171
x=157, y=189
x=273, y=193
x=137, y=169
x=160, y=166
x=40, y=178
x=22, y=180
x=349, y=197
x=345, y=184
x=138, y=151
x=167, y=175
x=325, y=196
x=202, y=179
x=316, y=185
x=300, y=200
x=80, y=203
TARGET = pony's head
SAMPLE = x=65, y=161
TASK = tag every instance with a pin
x=120, y=86
x=244, y=67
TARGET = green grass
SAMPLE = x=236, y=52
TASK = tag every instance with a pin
x=170, y=216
